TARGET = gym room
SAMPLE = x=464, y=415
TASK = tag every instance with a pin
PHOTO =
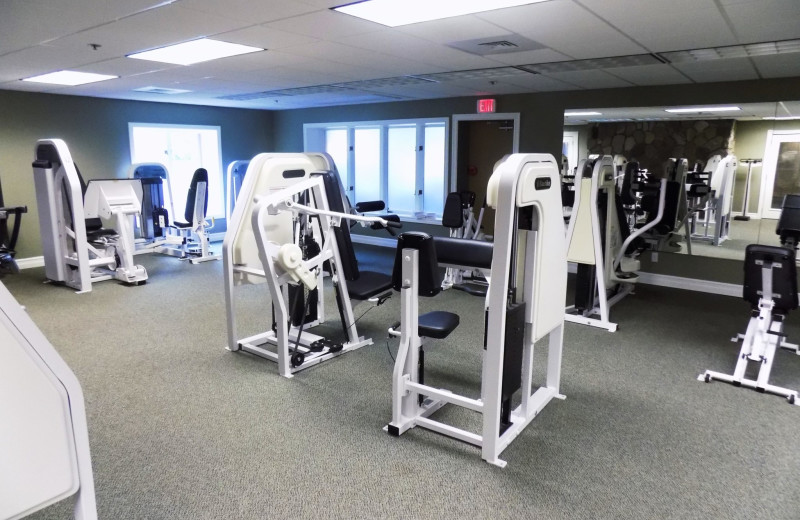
x=399, y=259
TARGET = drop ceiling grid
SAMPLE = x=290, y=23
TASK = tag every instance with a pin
x=718, y=70
x=785, y=65
x=261, y=11
x=565, y=27
x=647, y=75
x=750, y=20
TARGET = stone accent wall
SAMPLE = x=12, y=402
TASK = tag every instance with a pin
x=653, y=142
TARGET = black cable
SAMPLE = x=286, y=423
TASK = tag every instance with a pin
x=389, y=350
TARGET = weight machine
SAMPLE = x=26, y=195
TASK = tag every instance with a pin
x=599, y=241
x=528, y=272
x=8, y=240
x=460, y=220
x=770, y=285
x=78, y=251
x=719, y=205
x=272, y=239
x=44, y=439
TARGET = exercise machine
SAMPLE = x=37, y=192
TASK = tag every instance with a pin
x=8, y=239
x=459, y=219
x=750, y=163
x=528, y=273
x=722, y=173
x=600, y=243
x=235, y=175
x=78, y=250
x=44, y=439
x=193, y=231
x=272, y=239
x=770, y=286
x=151, y=226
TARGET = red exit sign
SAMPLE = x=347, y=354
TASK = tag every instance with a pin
x=486, y=105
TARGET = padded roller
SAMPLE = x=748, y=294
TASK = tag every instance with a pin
x=463, y=252
x=368, y=206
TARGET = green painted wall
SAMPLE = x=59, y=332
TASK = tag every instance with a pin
x=96, y=131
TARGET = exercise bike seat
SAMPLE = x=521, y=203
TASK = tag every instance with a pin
x=437, y=324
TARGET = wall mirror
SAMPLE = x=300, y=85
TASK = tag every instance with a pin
x=764, y=138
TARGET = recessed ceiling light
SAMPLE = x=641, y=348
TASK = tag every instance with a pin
x=195, y=51
x=69, y=77
x=781, y=118
x=579, y=114
x=403, y=12
x=698, y=110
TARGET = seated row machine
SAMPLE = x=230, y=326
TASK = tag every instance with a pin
x=272, y=239
x=528, y=282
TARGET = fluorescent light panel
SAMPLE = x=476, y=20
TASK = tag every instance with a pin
x=781, y=118
x=195, y=51
x=403, y=12
x=70, y=78
x=580, y=114
x=699, y=110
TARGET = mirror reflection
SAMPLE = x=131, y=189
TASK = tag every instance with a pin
x=736, y=163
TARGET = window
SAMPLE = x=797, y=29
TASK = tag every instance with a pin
x=402, y=162
x=182, y=149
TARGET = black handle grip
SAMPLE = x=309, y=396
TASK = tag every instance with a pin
x=393, y=224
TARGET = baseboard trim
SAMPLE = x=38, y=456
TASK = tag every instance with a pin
x=691, y=284
x=373, y=241
x=679, y=282
x=30, y=262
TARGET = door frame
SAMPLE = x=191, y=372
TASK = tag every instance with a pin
x=769, y=167
x=458, y=118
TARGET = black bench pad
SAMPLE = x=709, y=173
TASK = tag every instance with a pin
x=437, y=324
x=369, y=284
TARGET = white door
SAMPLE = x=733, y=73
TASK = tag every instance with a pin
x=781, y=170
x=570, y=148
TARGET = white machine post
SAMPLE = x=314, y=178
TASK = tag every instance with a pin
x=528, y=269
x=44, y=439
x=719, y=206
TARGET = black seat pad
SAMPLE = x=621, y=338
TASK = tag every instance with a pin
x=182, y=224
x=437, y=324
x=368, y=284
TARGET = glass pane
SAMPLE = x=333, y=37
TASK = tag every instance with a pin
x=433, y=189
x=787, y=173
x=336, y=146
x=402, y=169
x=367, y=164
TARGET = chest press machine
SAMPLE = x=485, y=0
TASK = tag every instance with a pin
x=528, y=273
x=770, y=286
x=272, y=239
x=78, y=251
x=44, y=439
x=599, y=241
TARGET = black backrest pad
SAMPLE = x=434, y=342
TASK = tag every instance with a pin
x=452, y=216
x=626, y=191
x=789, y=223
x=430, y=282
x=784, y=275
x=200, y=175
x=345, y=245
x=463, y=252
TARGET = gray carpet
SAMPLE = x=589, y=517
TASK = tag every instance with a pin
x=182, y=429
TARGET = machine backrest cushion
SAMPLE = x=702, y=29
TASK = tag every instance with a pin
x=343, y=240
x=789, y=222
x=464, y=252
x=452, y=216
x=430, y=281
x=200, y=175
x=784, y=276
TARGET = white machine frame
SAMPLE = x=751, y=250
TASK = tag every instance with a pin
x=231, y=190
x=585, y=245
x=69, y=257
x=521, y=181
x=260, y=221
x=720, y=205
x=760, y=342
x=44, y=438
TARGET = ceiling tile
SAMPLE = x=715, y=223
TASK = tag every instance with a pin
x=565, y=27
x=540, y=83
x=330, y=51
x=325, y=24
x=650, y=75
x=590, y=79
x=125, y=67
x=764, y=20
x=261, y=11
x=453, y=29
x=778, y=66
x=718, y=70
x=529, y=57
x=265, y=37
x=673, y=25
x=37, y=60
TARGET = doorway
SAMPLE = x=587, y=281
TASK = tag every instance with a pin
x=781, y=170
x=479, y=141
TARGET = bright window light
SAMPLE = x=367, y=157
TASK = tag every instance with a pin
x=781, y=118
x=403, y=12
x=69, y=78
x=195, y=51
x=580, y=114
x=698, y=110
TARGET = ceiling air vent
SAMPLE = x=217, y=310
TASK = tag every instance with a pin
x=500, y=44
x=161, y=90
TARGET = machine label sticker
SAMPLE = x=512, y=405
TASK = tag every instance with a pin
x=543, y=183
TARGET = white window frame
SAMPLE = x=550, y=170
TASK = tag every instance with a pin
x=314, y=135
x=220, y=188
